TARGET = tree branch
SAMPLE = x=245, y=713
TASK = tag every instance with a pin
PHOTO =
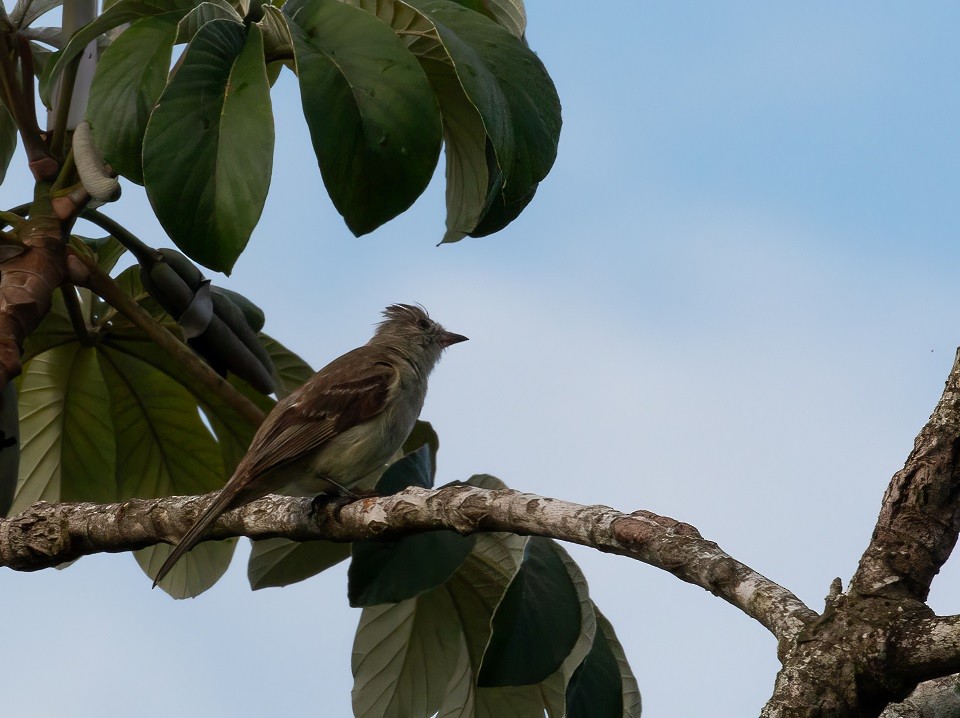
x=49, y=534
x=920, y=517
x=929, y=648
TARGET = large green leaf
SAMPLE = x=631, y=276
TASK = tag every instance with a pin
x=464, y=136
x=208, y=148
x=509, y=87
x=130, y=76
x=280, y=562
x=164, y=449
x=403, y=654
x=54, y=330
x=372, y=114
x=395, y=570
x=603, y=685
x=8, y=140
x=537, y=623
x=66, y=430
x=116, y=15
x=501, y=114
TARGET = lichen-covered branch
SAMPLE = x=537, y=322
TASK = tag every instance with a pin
x=920, y=517
x=929, y=647
x=49, y=534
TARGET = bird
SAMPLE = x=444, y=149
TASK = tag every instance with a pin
x=341, y=427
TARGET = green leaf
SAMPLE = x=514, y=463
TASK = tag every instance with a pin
x=291, y=370
x=54, y=330
x=66, y=431
x=277, y=40
x=208, y=148
x=378, y=148
x=501, y=114
x=163, y=449
x=280, y=562
x=130, y=76
x=25, y=12
x=603, y=685
x=402, y=656
x=476, y=589
x=510, y=88
x=116, y=15
x=8, y=140
x=201, y=15
x=233, y=432
x=395, y=570
x=536, y=624
x=509, y=14
x=392, y=571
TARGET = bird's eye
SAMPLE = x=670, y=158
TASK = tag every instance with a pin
x=423, y=324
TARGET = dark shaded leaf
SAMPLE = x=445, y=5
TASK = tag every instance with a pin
x=392, y=571
x=536, y=624
x=208, y=147
x=378, y=150
x=9, y=446
x=603, y=685
x=423, y=433
x=415, y=469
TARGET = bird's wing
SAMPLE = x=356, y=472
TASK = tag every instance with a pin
x=348, y=391
x=335, y=399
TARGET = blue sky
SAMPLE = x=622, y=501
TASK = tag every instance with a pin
x=733, y=301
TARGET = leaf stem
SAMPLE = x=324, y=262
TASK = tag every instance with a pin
x=75, y=313
x=101, y=284
x=143, y=252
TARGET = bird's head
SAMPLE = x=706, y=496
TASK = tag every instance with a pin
x=409, y=328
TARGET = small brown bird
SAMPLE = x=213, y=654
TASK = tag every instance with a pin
x=341, y=427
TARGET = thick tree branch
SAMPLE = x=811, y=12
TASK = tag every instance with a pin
x=49, y=534
x=920, y=518
x=929, y=647
x=27, y=282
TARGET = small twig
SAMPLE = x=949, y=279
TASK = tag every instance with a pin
x=100, y=283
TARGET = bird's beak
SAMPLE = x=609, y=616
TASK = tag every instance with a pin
x=448, y=338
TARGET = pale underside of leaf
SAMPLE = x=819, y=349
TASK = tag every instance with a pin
x=66, y=434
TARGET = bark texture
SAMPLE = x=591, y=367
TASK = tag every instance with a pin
x=49, y=534
x=27, y=282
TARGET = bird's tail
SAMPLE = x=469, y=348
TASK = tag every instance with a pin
x=191, y=538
